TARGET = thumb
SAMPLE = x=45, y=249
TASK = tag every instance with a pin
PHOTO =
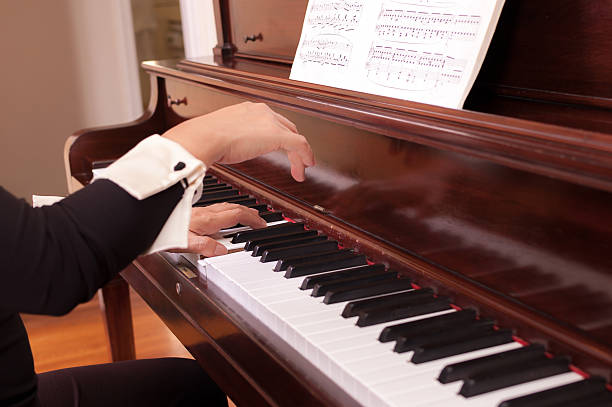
x=205, y=246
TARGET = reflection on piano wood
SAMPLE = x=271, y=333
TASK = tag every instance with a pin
x=372, y=331
x=412, y=70
x=494, y=218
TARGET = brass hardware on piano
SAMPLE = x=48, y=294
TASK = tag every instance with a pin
x=258, y=37
x=177, y=101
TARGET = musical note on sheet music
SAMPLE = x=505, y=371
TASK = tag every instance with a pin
x=335, y=15
x=427, y=3
x=416, y=26
x=408, y=69
x=326, y=49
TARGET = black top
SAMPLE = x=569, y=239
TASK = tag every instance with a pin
x=55, y=257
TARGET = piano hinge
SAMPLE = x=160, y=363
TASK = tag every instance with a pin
x=321, y=209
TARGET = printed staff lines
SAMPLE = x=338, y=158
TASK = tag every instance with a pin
x=336, y=15
x=413, y=70
x=411, y=26
x=327, y=49
x=426, y=3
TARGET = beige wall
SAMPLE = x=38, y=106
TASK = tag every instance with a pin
x=66, y=64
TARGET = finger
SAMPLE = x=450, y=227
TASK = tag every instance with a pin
x=203, y=221
x=286, y=122
x=298, y=144
x=243, y=215
x=298, y=170
x=209, y=223
x=219, y=207
x=205, y=246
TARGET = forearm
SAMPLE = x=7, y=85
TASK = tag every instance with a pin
x=58, y=256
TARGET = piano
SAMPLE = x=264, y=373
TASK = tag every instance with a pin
x=437, y=256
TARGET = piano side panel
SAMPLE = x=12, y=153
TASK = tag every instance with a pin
x=107, y=143
x=484, y=222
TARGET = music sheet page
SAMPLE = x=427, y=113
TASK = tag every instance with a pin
x=427, y=51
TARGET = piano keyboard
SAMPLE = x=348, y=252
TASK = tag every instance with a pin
x=383, y=339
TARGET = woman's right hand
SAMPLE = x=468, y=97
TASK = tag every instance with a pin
x=241, y=132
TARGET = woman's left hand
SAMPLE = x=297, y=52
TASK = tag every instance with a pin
x=210, y=219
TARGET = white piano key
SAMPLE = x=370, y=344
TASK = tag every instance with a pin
x=369, y=373
x=228, y=258
x=349, y=355
x=488, y=399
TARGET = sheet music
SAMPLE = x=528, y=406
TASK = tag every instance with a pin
x=426, y=51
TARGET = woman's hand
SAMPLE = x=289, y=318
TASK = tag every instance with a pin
x=210, y=219
x=241, y=132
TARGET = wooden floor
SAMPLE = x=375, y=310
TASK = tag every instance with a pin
x=79, y=338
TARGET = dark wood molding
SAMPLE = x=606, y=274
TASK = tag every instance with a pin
x=225, y=46
x=574, y=155
x=110, y=142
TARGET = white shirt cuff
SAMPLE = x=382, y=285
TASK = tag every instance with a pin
x=152, y=166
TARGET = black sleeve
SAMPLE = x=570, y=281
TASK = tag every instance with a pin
x=57, y=256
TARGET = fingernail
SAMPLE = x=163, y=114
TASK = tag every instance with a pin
x=220, y=249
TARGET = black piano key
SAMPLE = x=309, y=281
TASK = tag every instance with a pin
x=487, y=340
x=387, y=314
x=229, y=193
x=272, y=216
x=240, y=200
x=283, y=264
x=444, y=336
x=358, y=280
x=216, y=187
x=246, y=235
x=250, y=203
x=596, y=400
x=209, y=176
x=304, y=249
x=521, y=373
x=353, y=308
x=310, y=282
x=320, y=267
x=367, y=290
x=290, y=242
x=498, y=361
x=573, y=392
x=210, y=181
x=427, y=325
x=259, y=207
x=250, y=245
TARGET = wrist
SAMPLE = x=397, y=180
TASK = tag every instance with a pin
x=205, y=153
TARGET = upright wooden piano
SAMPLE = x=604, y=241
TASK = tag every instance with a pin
x=504, y=207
